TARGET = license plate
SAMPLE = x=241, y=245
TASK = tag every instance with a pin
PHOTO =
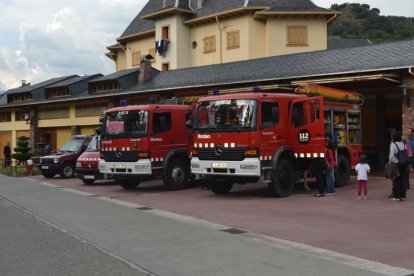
x=120, y=166
x=45, y=167
x=89, y=176
x=219, y=165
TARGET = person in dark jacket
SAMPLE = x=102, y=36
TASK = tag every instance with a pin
x=319, y=167
x=399, y=188
x=7, y=155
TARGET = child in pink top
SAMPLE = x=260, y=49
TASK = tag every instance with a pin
x=362, y=168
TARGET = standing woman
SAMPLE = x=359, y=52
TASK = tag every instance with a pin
x=398, y=183
x=330, y=165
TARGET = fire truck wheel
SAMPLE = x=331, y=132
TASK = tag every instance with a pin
x=88, y=181
x=68, y=171
x=176, y=175
x=341, y=171
x=283, y=180
x=219, y=187
x=128, y=183
x=48, y=175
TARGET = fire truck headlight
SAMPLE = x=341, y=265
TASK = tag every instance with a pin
x=142, y=167
x=195, y=165
x=101, y=166
x=248, y=167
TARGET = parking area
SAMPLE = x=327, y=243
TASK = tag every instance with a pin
x=376, y=229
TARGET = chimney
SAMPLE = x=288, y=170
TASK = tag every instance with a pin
x=145, y=69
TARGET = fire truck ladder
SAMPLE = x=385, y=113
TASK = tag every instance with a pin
x=328, y=93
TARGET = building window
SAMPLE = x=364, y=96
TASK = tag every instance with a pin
x=89, y=110
x=152, y=53
x=19, y=115
x=165, y=32
x=297, y=35
x=57, y=92
x=165, y=66
x=20, y=98
x=136, y=56
x=233, y=39
x=5, y=116
x=54, y=113
x=103, y=86
x=210, y=44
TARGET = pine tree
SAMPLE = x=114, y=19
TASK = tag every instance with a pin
x=22, y=151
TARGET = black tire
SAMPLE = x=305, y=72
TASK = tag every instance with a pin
x=128, y=183
x=88, y=181
x=283, y=180
x=342, y=171
x=219, y=187
x=177, y=174
x=48, y=174
x=67, y=171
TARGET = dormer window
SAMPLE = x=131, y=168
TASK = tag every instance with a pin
x=103, y=87
x=20, y=98
x=57, y=92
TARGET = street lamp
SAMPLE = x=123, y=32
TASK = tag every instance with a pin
x=27, y=118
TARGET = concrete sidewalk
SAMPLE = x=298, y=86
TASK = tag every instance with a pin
x=169, y=244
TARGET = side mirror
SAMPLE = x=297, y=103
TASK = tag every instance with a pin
x=189, y=124
x=98, y=130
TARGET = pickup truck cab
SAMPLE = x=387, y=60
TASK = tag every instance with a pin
x=63, y=162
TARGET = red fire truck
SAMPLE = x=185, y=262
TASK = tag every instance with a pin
x=273, y=136
x=143, y=141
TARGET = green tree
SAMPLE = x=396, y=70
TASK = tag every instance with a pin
x=22, y=151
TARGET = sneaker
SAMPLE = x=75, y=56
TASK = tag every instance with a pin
x=306, y=186
x=318, y=195
x=359, y=198
x=330, y=193
x=395, y=199
x=365, y=198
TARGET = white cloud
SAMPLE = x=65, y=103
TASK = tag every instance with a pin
x=43, y=39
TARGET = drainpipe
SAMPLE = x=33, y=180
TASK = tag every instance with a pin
x=220, y=39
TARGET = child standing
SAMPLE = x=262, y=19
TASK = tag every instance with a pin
x=362, y=168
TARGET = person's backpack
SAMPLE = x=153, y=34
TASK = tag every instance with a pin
x=402, y=156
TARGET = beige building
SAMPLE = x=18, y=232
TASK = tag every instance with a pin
x=189, y=33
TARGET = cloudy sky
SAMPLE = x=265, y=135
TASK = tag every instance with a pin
x=43, y=39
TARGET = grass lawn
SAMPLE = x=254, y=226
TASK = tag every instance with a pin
x=18, y=170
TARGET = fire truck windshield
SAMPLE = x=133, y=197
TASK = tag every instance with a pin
x=126, y=123
x=225, y=116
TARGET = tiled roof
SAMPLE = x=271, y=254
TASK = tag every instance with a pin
x=211, y=7
x=117, y=75
x=346, y=43
x=31, y=88
x=73, y=80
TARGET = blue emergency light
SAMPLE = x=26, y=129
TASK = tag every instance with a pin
x=123, y=103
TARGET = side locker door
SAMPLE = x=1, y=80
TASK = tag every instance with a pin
x=161, y=136
x=307, y=132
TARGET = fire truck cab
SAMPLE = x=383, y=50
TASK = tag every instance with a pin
x=143, y=141
x=270, y=137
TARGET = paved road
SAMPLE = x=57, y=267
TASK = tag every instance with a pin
x=165, y=243
x=378, y=229
x=31, y=246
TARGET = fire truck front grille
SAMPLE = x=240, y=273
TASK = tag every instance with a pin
x=124, y=156
x=227, y=155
